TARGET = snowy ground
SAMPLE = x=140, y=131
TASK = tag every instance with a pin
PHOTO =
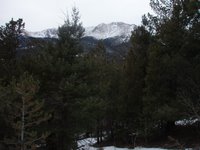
x=186, y=122
x=86, y=144
x=115, y=148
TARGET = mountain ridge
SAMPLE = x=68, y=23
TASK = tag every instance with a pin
x=120, y=30
x=111, y=30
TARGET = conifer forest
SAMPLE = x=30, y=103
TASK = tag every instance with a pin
x=57, y=91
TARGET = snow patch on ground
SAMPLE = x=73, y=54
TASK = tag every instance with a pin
x=137, y=148
x=86, y=144
x=186, y=122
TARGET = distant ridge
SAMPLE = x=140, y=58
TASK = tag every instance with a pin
x=111, y=30
x=119, y=30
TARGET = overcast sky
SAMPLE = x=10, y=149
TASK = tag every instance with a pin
x=43, y=14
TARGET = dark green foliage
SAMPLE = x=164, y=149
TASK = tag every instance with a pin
x=9, y=42
x=135, y=73
x=9, y=38
x=69, y=35
x=165, y=74
x=23, y=113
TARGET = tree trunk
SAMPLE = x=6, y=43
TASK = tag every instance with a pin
x=112, y=134
x=98, y=139
x=169, y=126
x=101, y=135
x=98, y=135
x=22, y=126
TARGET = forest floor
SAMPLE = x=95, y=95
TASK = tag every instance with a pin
x=180, y=137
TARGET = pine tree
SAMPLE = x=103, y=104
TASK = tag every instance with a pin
x=9, y=38
x=24, y=113
x=135, y=74
x=171, y=25
x=69, y=35
x=62, y=82
x=99, y=50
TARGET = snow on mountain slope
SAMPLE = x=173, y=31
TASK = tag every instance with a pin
x=48, y=33
x=102, y=31
x=114, y=29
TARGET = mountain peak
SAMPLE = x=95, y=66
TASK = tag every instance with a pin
x=102, y=31
x=110, y=30
x=48, y=33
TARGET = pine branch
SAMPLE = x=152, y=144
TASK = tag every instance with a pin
x=42, y=137
x=34, y=110
x=34, y=123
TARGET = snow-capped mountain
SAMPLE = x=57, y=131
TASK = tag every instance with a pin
x=112, y=30
x=48, y=33
x=119, y=30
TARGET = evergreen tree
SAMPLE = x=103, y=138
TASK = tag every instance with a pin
x=69, y=36
x=9, y=42
x=24, y=113
x=99, y=50
x=62, y=82
x=135, y=73
x=9, y=38
x=166, y=58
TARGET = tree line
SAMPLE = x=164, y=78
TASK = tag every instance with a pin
x=51, y=96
